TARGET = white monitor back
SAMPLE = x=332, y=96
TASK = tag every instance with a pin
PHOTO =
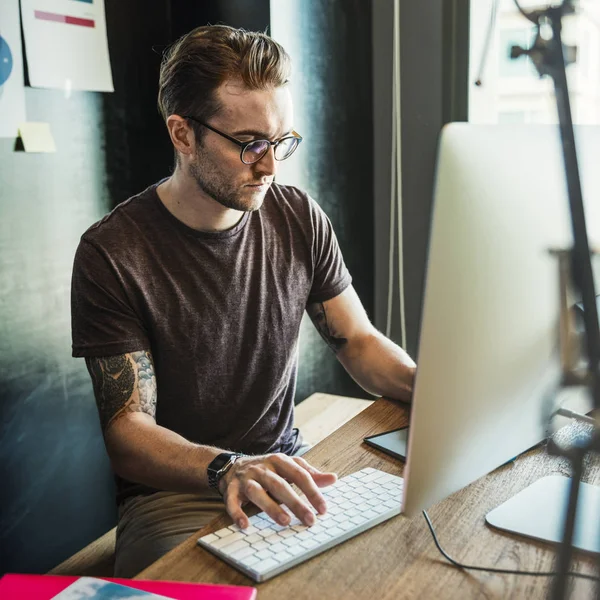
x=488, y=360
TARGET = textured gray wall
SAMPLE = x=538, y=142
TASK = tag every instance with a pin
x=56, y=490
x=422, y=102
x=330, y=45
x=54, y=471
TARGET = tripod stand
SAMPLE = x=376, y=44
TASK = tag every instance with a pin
x=550, y=57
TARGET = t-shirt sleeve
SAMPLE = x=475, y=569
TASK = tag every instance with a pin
x=330, y=275
x=103, y=321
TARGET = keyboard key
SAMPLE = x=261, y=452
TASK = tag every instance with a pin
x=251, y=560
x=255, y=519
x=250, y=530
x=263, y=567
x=296, y=550
x=286, y=533
x=243, y=553
x=308, y=544
x=226, y=541
x=260, y=545
x=283, y=556
x=254, y=538
x=289, y=542
x=233, y=548
x=358, y=519
x=223, y=532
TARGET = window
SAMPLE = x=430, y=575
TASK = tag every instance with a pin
x=512, y=91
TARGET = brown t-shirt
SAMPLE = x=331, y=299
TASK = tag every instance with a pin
x=220, y=311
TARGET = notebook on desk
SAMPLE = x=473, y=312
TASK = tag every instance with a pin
x=46, y=587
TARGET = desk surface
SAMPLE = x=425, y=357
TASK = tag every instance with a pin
x=398, y=558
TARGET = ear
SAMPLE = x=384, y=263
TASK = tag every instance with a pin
x=182, y=135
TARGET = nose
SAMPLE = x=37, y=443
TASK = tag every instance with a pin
x=267, y=165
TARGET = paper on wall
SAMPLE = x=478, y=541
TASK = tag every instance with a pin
x=12, y=92
x=66, y=44
x=36, y=137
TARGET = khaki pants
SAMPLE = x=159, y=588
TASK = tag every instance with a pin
x=150, y=526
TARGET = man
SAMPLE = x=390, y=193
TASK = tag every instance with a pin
x=187, y=301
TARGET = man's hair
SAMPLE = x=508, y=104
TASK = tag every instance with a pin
x=198, y=63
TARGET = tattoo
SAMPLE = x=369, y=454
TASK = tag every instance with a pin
x=146, y=382
x=114, y=380
x=318, y=315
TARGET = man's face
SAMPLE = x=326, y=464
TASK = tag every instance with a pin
x=246, y=115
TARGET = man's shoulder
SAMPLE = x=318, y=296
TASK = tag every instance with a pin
x=123, y=221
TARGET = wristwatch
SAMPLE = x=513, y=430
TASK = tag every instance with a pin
x=219, y=466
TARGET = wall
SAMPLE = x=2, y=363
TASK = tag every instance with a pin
x=57, y=491
x=434, y=42
x=329, y=42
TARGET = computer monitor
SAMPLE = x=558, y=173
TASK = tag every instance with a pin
x=488, y=363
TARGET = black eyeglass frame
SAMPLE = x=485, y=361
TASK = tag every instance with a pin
x=243, y=145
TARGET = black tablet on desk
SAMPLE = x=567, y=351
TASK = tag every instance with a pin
x=393, y=442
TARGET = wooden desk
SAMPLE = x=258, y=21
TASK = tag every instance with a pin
x=398, y=558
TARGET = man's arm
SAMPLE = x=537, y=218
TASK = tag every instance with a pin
x=378, y=365
x=142, y=451
x=139, y=449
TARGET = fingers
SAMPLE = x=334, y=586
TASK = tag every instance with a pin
x=321, y=478
x=258, y=495
x=266, y=480
x=233, y=505
x=255, y=489
x=297, y=473
x=283, y=492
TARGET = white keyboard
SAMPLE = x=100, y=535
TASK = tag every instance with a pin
x=354, y=504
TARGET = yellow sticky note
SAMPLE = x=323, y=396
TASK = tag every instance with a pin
x=37, y=137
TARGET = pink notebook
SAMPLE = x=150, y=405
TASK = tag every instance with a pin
x=44, y=587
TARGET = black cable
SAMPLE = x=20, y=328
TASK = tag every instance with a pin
x=494, y=570
x=486, y=45
x=520, y=8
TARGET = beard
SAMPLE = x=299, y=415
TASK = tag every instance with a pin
x=210, y=181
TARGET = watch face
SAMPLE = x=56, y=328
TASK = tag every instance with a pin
x=219, y=462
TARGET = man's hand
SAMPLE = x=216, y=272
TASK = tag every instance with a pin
x=266, y=481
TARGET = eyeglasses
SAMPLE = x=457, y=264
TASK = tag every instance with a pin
x=254, y=150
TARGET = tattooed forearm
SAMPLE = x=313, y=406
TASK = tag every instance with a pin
x=116, y=379
x=319, y=317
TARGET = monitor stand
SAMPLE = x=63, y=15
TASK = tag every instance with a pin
x=539, y=510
